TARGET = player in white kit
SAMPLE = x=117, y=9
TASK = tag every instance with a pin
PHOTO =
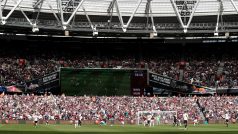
x=227, y=117
x=185, y=120
x=35, y=118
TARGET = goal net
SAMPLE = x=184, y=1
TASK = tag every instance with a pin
x=160, y=117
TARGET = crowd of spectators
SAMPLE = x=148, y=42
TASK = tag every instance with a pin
x=198, y=66
x=50, y=107
x=17, y=70
x=217, y=106
x=230, y=72
x=24, y=107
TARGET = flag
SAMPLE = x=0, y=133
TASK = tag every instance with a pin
x=13, y=89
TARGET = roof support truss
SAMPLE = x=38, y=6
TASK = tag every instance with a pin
x=38, y=3
x=1, y=11
x=125, y=26
x=114, y=8
x=54, y=13
x=90, y=22
x=184, y=25
x=234, y=5
x=4, y=18
x=33, y=22
x=219, y=17
x=110, y=12
x=148, y=12
x=66, y=23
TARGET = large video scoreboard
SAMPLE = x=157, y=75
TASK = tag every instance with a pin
x=108, y=82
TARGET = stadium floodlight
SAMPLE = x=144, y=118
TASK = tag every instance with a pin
x=3, y=22
x=95, y=33
x=227, y=34
x=155, y=33
x=124, y=28
x=66, y=33
x=185, y=30
x=35, y=28
x=64, y=27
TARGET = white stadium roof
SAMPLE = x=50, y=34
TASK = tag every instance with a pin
x=99, y=7
x=63, y=13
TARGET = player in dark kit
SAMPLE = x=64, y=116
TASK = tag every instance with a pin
x=175, y=123
x=80, y=120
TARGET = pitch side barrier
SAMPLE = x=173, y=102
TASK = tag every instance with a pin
x=172, y=85
x=93, y=122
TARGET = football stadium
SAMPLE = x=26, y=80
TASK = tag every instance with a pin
x=118, y=66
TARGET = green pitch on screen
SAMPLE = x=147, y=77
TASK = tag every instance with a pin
x=100, y=82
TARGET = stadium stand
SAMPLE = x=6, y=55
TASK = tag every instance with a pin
x=39, y=37
x=198, y=66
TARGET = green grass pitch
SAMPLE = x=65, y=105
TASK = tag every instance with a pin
x=128, y=129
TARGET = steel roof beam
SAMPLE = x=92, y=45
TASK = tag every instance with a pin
x=125, y=26
x=38, y=3
x=1, y=11
x=89, y=20
x=111, y=6
x=177, y=13
x=219, y=13
x=3, y=19
x=55, y=15
x=110, y=12
x=119, y=16
x=185, y=26
x=191, y=16
x=148, y=12
x=74, y=13
x=234, y=5
x=66, y=23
